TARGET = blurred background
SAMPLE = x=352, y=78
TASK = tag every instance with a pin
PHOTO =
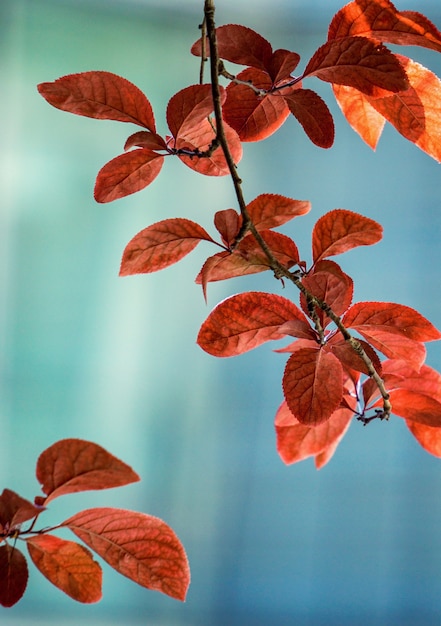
x=87, y=354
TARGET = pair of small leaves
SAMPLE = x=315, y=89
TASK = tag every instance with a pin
x=103, y=95
x=139, y=546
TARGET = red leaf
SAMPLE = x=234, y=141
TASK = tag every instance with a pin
x=238, y=44
x=14, y=510
x=272, y=210
x=200, y=140
x=281, y=65
x=340, y=230
x=68, y=566
x=313, y=114
x=425, y=380
x=189, y=107
x=245, y=321
x=427, y=436
x=390, y=318
x=328, y=283
x=254, y=117
x=228, y=224
x=73, y=465
x=313, y=385
x=13, y=575
x=140, y=547
x=360, y=63
x=161, y=245
x=350, y=359
x=396, y=346
x=380, y=20
x=126, y=174
x=145, y=139
x=416, y=406
x=360, y=113
x=416, y=112
x=297, y=441
x=100, y=95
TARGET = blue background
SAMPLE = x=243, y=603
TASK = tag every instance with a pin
x=87, y=354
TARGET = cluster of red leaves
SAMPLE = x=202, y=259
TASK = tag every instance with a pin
x=141, y=547
x=328, y=377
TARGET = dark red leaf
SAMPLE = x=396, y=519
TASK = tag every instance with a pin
x=73, y=465
x=282, y=63
x=313, y=385
x=415, y=112
x=380, y=20
x=140, y=547
x=189, y=107
x=238, y=44
x=245, y=321
x=360, y=113
x=100, y=95
x=328, y=283
x=340, y=230
x=13, y=575
x=313, y=114
x=272, y=210
x=297, y=441
x=145, y=139
x=360, y=63
x=14, y=510
x=228, y=224
x=161, y=245
x=350, y=359
x=68, y=566
x=126, y=174
x=252, y=116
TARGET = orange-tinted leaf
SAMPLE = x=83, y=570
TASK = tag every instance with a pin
x=282, y=63
x=272, y=210
x=245, y=321
x=68, y=566
x=416, y=112
x=322, y=458
x=200, y=139
x=14, y=510
x=228, y=224
x=238, y=44
x=313, y=385
x=380, y=20
x=340, y=230
x=254, y=117
x=427, y=436
x=358, y=62
x=392, y=318
x=101, y=95
x=189, y=107
x=145, y=139
x=331, y=285
x=416, y=406
x=73, y=465
x=426, y=380
x=126, y=174
x=13, y=575
x=140, y=547
x=161, y=245
x=297, y=441
x=359, y=112
x=313, y=114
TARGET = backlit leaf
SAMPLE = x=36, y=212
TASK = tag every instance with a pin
x=380, y=20
x=100, y=95
x=161, y=245
x=252, y=116
x=416, y=406
x=427, y=436
x=340, y=230
x=425, y=380
x=126, y=174
x=145, y=139
x=313, y=114
x=73, y=465
x=360, y=63
x=328, y=283
x=282, y=64
x=68, y=566
x=140, y=547
x=189, y=107
x=313, y=385
x=350, y=359
x=272, y=210
x=13, y=575
x=360, y=113
x=14, y=510
x=395, y=346
x=297, y=441
x=245, y=321
x=228, y=223
x=416, y=112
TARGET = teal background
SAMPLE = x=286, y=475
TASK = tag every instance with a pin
x=87, y=354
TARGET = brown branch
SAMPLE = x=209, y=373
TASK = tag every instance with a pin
x=280, y=271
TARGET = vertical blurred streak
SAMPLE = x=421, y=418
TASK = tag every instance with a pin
x=11, y=110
